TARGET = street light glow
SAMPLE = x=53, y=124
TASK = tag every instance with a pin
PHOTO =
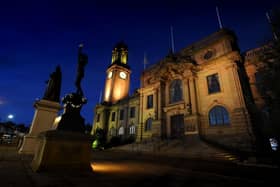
x=10, y=116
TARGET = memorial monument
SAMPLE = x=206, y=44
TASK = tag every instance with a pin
x=67, y=147
x=45, y=113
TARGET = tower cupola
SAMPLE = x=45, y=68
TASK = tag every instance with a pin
x=120, y=54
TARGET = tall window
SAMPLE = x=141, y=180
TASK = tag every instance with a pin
x=213, y=83
x=113, y=116
x=150, y=101
x=175, y=91
x=121, y=114
x=148, y=125
x=132, y=112
x=98, y=118
x=218, y=115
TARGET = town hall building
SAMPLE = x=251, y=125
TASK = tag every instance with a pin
x=202, y=90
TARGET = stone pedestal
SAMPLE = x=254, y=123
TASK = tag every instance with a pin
x=62, y=150
x=45, y=114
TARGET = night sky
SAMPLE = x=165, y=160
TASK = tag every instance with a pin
x=36, y=36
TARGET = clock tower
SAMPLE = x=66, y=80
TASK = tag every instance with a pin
x=117, y=75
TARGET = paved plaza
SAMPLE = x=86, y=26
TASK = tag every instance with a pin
x=124, y=168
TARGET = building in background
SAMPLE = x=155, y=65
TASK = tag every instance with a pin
x=202, y=90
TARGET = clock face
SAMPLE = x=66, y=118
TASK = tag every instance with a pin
x=123, y=75
x=110, y=74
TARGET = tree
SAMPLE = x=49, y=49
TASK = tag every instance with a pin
x=269, y=79
x=99, y=139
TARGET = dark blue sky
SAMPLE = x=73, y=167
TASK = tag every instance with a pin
x=35, y=36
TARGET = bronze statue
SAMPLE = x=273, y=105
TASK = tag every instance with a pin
x=71, y=119
x=52, y=92
x=82, y=61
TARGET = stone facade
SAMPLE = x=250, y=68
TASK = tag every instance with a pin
x=109, y=118
x=199, y=90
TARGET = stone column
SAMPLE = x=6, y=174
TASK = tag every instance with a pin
x=156, y=103
x=188, y=97
x=141, y=123
x=43, y=120
x=193, y=95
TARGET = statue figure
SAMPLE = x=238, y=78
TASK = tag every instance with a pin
x=52, y=92
x=71, y=119
x=82, y=61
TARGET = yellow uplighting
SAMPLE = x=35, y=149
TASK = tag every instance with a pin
x=118, y=92
x=56, y=121
x=108, y=168
x=124, y=59
x=113, y=58
x=107, y=92
x=126, y=167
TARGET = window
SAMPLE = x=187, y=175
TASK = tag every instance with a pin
x=213, y=83
x=218, y=115
x=121, y=114
x=121, y=131
x=132, y=129
x=150, y=101
x=132, y=112
x=175, y=91
x=98, y=118
x=113, y=116
x=148, y=125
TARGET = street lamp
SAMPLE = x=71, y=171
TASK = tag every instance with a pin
x=10, y=116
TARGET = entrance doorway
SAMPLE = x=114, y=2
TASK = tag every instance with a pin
x=177, y=126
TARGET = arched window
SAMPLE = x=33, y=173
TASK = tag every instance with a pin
x=121, y=131
x=148, y=125
x=218, y=115
x=175, y=91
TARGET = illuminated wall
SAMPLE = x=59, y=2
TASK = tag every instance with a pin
x=117, y=83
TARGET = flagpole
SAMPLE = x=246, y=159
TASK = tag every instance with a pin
x=145, y=61
x=100, y=96
x=269, y=21
x=172, y=39
x=219, y=18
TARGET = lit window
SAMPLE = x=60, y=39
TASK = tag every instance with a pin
x=218, y=115
x=148, y=125
x=150, y=101
x=121, y=131
x=132, y=129
x=175, y=91
x=213, y=83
